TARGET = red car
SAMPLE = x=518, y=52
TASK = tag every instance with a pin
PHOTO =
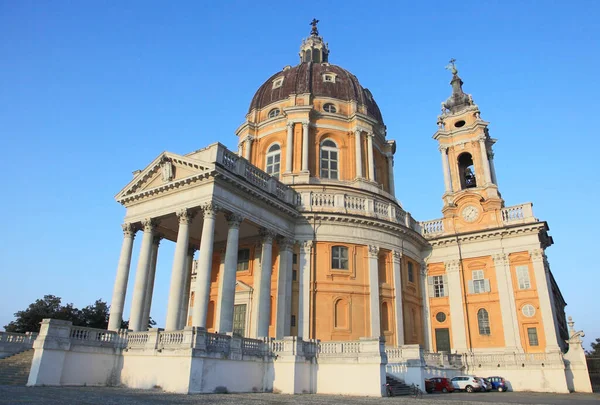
x=438, y=384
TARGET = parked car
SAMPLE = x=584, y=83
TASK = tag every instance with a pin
x=498, y=383
x=466, y=382
x=485, y=384
x=441, y=384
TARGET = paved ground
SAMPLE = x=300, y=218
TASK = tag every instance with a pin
x=118, y=396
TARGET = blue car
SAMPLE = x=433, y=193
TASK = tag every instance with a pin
x=498, y=383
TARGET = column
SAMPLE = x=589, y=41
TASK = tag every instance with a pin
x=457, y=313
x=426, y=314
x=390, y=158
x=150, y=286
x=289, y=149
x=120, y=288
x=248, y=148
x=506, y=295
x=227, y=282
x=493, y=168
x=304, y=265
x=179, y=270
x=541, y=282
x=397, y=270
x=485, y=161
x=371, y=156
x=141, y=276
x=358, y=146
x=373, y=259
x=185, y=299
x=305, y=146
x=284, y=289
x=202, y=286
x=447, y=182
x=264, y=293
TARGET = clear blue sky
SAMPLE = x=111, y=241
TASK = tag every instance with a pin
x=90, y=91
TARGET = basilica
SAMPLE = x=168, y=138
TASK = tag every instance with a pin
x=297, y=238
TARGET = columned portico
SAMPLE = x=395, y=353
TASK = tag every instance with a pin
x=150, y=286
x=284, y=289
x=304, y=263
x=397, y=279
x=224, y=321
x=374, y=291
x=179, y=270
x=204, y=266
x=141, y=276
x=120, y=289
x=263, y=313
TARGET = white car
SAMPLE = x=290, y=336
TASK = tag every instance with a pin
x=466, y=382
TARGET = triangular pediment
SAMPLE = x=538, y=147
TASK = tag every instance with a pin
x=166, y=170
x=242, y=287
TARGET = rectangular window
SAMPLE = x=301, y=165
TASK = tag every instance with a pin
x=439, y=289
x=478, y=284
x=294, y=275
x=533, y=337
x=339, y=257
x=523, y=277
x=294, y=258
x=243, y=259
x=293, y=321
x=411, y=275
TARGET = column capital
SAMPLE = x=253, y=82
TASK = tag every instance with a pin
x=149, y=224
x=373, y=251
x=452, y=266
x=500, y=259
x=234, y=220
x=192, y=249
x=129, y=229
x=210, y=209
x=267, y=235
x=156, y=239
x=305, y=125
x=285, y=244
x=443, y=148
x=396, y=256
x=185, y=216
x=290, y=124
x=370, y=134
x=537, y=255
x=305, y=245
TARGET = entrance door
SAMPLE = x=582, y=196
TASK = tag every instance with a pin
x=239, y=320
x=442, y=340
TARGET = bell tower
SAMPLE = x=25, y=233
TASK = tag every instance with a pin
x=471, y=197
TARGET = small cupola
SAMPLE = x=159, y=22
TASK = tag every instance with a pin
x=313, y=48
x=459, y=100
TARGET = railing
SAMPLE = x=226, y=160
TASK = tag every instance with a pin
x=137, y=339
x=241, y=167
x=18, y=338
x=516, y=214
x=217, y=343
x=253, y=347
x=333, y=348
x=431, y=228
x=171, y=338
x=514, y=359
x=370, y=206
x=84, y=335
x=393, y=353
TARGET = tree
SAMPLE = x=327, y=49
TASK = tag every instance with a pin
x=595, y=352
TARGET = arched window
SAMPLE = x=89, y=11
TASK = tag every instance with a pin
x=329, y=160
x=330, y=108
x=466, y=171
x=273, y=160
x=274, y=112
x=483, y=320
x=316, y=56
x=385, y=317
x=307, y=55
x=340, y=316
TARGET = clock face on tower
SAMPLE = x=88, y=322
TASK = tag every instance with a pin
x=470, y=213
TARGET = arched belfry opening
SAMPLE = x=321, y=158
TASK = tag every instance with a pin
x=466, y=171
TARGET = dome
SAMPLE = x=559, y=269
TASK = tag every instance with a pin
x=308, y=77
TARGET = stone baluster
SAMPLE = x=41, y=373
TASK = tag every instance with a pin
x=120, y=288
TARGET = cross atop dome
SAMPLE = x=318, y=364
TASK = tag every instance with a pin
x=313, y=48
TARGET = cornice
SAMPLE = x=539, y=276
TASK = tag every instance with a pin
x=513, y=230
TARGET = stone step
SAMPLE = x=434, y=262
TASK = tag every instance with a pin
x=14, y=370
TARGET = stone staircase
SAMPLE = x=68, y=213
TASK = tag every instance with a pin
x=397, y=386
x=14, y=370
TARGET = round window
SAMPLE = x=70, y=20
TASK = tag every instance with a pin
x=459, y=124
x=330, y=108
x=528, y=310
x=274, y=112
x=440, y=317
